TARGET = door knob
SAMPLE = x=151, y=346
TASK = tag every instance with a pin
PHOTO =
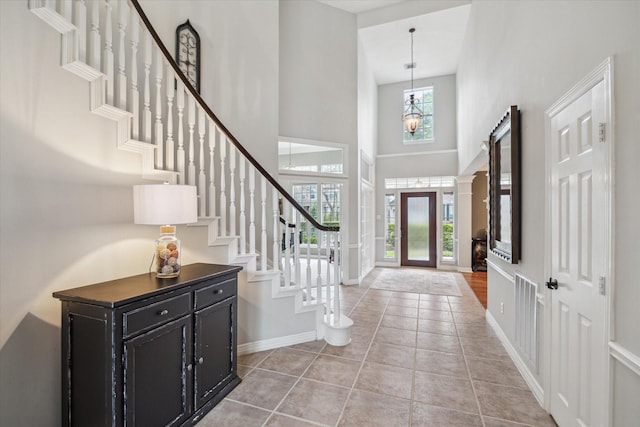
x=552, y=283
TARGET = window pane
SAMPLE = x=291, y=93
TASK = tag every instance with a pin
x=390, y=225
x=447, y=226
x=424, y=100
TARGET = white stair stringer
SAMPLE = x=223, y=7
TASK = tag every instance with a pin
x=69, y=60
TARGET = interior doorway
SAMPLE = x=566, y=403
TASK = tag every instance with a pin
x=418, y=229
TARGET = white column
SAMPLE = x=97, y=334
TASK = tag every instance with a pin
x=462, y=226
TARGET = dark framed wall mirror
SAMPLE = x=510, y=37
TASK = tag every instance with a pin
x=504, y=187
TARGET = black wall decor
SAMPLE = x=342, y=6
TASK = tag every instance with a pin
x=188, y=53
x=504, y=187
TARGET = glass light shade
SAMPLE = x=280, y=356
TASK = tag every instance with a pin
x=412, y=116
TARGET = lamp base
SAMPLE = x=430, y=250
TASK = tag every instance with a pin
x=167, y=254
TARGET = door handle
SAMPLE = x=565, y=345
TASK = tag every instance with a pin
x=552, y=283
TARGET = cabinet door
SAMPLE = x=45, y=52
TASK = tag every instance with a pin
x=157, y=374
x=214, y=341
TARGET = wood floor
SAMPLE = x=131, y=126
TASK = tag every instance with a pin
x=478, y=283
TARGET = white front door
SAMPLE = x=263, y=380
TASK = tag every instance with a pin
x=579, y=253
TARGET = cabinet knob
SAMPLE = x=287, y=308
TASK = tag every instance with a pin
x=217, y=291
x=201, y=360
x=164, y=312
x=189, y=367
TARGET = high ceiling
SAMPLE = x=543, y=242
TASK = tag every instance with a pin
x=384, y=33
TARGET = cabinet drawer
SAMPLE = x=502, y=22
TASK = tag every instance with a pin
x=213, y=293
x=155, y=314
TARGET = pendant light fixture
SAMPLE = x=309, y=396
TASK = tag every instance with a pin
x=412, y=114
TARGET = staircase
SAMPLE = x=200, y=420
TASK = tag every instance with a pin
x=288, y=289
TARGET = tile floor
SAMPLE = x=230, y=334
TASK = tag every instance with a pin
x=414, y=360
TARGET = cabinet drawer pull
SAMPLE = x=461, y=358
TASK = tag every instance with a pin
x=201, y=361
x=218, y=291
x=164, y=312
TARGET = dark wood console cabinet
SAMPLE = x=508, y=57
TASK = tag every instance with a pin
x=142, y=351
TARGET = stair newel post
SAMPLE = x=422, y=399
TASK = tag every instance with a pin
x=327, y=236
x=123, y=19
x=263, y=239
x=169, y=162
x=223, y=185
x=159, y=128
x=94, y=38
x=180, y=157
x=146, y=109
x=276, y=235
x=134, y=97
x=336, y=278
x=243, y=217
x=202, y=179
x=108, y=58
x=308, y=238
x=252, y=209
x=232, y=191
x=80, y=21
x=212, y=170
x=191, y=169
x=286, y=244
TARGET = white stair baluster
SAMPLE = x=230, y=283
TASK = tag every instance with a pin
x=146, y=111
x=191, y=170
x=180, y=157
x=263, y=241
x=212, y=170
x=95, y=39
x=202, y=182
x=159, y=133
x=232, y=190
x=287, y=246
x=243, y=218
x=108, y=58
x=169, y=162
x=134, y=96
x=276, y=234
x=223, y=195
x=252, y=210
x=66, y=9
x=297, y=259
x=336, y=279
x=123, y=19
x=80, y=21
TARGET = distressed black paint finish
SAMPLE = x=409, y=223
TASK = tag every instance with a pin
x=146, y=351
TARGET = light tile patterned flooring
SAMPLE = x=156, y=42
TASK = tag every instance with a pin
x=414, y=360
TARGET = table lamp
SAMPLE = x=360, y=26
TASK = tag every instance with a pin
x=165, y=205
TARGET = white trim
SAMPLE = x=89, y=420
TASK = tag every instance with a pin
x=417, y=153
x=625, y=356
x=529, y=378
x=602, y=73
x=271, y=343
x=387, y=264
x=502, y=272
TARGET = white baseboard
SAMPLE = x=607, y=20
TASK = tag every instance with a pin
x=387, y=264
x=464, y=270
x=256, y=346
x=528, y=376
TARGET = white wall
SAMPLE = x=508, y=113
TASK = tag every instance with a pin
x=318, y=92
x=530, y=53
x=240, y=64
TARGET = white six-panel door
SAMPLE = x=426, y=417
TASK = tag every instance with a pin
x=579, y=256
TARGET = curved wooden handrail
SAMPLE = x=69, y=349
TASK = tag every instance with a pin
x=222, y=127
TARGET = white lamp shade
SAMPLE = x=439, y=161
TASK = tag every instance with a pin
x=165, y=204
